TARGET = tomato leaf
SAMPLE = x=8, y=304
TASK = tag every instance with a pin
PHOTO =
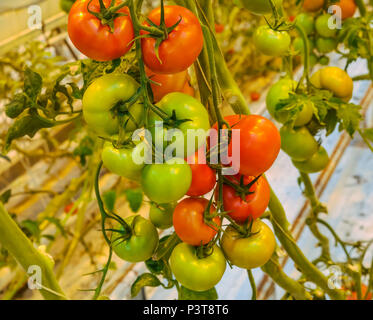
x=165, y=247
x=32, y=84
x=144, y=280
x=84, y=149
x=109, y=199
x=368, y=133
x=134, y=197
x=5, y=196
x=14, y=108
x=187, y=294
x=31, y=227
x=349, y=117
x=155, y=267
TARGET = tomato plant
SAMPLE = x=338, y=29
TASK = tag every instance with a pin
x=348, y=8
x=312, y=5
x=271, y=42
x=260, y=6
x=101, y=35
x=181, y=47
x=306, y=21
x=161, y=215
x=316, y=163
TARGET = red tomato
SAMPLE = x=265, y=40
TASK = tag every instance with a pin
x=364, y=289
x=203, y=177
x=291, y=18
x=219, y=28
x=166, y=83
x=68, y=208
x=189, y=221
x=255, y=96
x=188, y=89
x=96, y=40
x=348, y=8
x=183, y=45
x=252, y=206
x=259, y=144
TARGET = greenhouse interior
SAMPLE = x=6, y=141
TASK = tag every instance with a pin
x=186, y=150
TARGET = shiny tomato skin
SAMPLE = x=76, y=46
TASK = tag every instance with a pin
x=254, y=205
x=189, y=222
x=194, y=273
x=161, y=215
x=252, y=252
x=348, y=8
x=183, y=45
x=260, y=143
x=166, y=83
x=271, y=42
x=203, y=177
x=316, y=163
x=95, y=40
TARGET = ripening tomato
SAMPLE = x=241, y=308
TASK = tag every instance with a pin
x=271, y=42
x=326, y=45
x=306, y=21
x=245, y=207
x=183, y=45
x=166, y=83
x=254, y=96
x=348, y=8
x=189, y=222
x=188, y=89
x=250, y=252
x=94, y=39
x=197, y=273
x=219, y=28
x=203, y=177
x=69, y=207
x=335, y=80
x=313, y=5
x=259, y=144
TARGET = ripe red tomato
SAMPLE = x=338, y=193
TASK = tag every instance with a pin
x=219, y=28
x=189, y=221
x=255, y=96
x=188, y=89
x=348, y=8
x=364, y=289
x=69, y=207
x=260, y=143
x=96, y=40
x=183, y=45
x=203, y=177
x=251, y=206
x=166, y=83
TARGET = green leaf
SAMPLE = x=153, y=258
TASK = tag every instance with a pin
x=84, y=149
x=350, y=117
x=156, y=267
x=32, y=84
x=28, y=125
x=14, y=108
x=368, y=133
x=32, y=227
x=109, y=199
x=5, y=196
x=166, y=246
x=134, y=197
x=145, y=280
x=58, y=225
x=186, y=294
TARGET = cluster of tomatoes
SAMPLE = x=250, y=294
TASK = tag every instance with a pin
x=177, y=189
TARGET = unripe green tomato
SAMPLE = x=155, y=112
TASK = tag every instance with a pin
x=194, y=273
x=260, y=6
x=142, y=243
x=168, y=182
x=307, y=23
x=299, y=144
x=326, y=45
x=280, y=91
x=66, y=5
x=316, y=163
x=322, y=26
x=298, y=45
x=313, y=59
x=120, y=161
x=271, y=42
x=324, y=60
x=161, y=215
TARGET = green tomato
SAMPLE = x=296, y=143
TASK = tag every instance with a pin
x=298, y=45
x=324, y=60
x=167, y=182
x=313, y=59
x=326, y=45
x=299, y=144
x=142, y=243
x=194, y=273
x=187, y=109
x=161, y=215
x=120, y=161
x=101, y=104
x=280, y=91
x=316, y=163
x=306, y=21
x=260, y=6
x=271, y=42
x=322, y=26
x=250, y=252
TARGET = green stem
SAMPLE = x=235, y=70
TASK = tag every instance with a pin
x=21, y=248
x=362, y=8
x=306, y=54
x=252, y=283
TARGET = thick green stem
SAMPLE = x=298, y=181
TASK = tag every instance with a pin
x=21, y=248
x=294, y=288
x=362, y=8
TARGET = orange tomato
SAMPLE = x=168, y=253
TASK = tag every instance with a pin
x=313, y=5
x=348, y=8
